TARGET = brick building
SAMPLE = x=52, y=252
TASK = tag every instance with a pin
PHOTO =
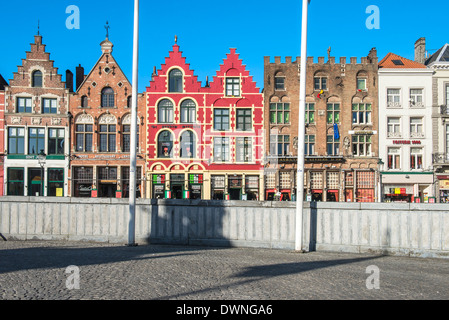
x=36, y=123
x=341, y=142
x=204, y=142
x=100, y=131
x=3, y=84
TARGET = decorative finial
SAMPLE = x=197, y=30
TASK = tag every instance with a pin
x=38, y=27
x=176, y=39
x=107, y=27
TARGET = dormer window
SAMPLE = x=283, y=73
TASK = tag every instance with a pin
x=232, y=87
x=175, y=81
x=36, y=79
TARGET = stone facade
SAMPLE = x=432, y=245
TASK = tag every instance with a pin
x=341, y=128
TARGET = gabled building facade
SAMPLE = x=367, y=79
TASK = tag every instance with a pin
x=100, y=131
x=204, y=142
x=439, y=63
x=405, y=130
x=36, y=126
x=3, y=85
x=341, y=133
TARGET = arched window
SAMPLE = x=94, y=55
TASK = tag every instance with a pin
x=165, y=144
x=188, y=144
x=107, y=98
x=188, y=111
x=175, y=81
x=36, y=79
x=165, y=111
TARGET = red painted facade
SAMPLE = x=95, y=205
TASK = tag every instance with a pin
x=204, y=141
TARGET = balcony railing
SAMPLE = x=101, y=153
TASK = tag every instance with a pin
x=440, y=158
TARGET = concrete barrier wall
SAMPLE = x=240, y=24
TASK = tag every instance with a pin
x=403, y=229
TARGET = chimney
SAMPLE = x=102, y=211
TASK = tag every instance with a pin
x=420, y=50
x=69, y=80
x=79, y=76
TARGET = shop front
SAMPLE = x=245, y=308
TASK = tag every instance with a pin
x=443, y=184
x=195, y=186
x=408, y=187
x=158, y=186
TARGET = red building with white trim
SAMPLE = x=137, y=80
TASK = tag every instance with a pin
x=204, y=142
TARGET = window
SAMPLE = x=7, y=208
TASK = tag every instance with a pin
x=107, y=98
x=232, y=87
x=446, y=100
x=165, y=144
x=24, y=105
x=320, y=83
x=50, y=105
x=361, y=84
x=393, y=98
x=108, y=138
x=126, y=145
x=416, y=158
x=279, y=83
x=188, y=145
x=280, y=145
x=361, y=145
x=416, y=128
x=332, y=145
x=221, y=119
x=16, y=184
x=84, y=102
x=16, y=140
x=244, y=150
x=309, y=145
x=279, y=113
x=244, y=122
x=84, y=137
x=36, y=79
x=361, y=113
x=310, y=113
x=333, y=113
x=56, y=141
x=393, y=128
x=55, y=182
x=82, y=181
x=188, y=111
x=394, y=158
x=221, y=149
x=165, y=111
x=416, y=98
x=36, y=140
x=129, y=102
x=175, y=81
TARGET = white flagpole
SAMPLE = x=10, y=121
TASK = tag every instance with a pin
x=133, y=147
x=301, y=132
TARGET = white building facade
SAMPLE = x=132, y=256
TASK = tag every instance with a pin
x=405, y=131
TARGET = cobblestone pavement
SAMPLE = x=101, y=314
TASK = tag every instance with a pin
x=37, y=270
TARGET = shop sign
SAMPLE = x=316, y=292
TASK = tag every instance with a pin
x=406, y=142
x=444, y=184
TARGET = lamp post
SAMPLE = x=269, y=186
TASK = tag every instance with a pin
x=380, y=165
x=133, y=156
x=42, y=159
x=301, y=131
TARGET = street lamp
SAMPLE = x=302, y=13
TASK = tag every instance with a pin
x=380, y=165
x=42, y=159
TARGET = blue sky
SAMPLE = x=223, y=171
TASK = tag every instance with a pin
x=207, y=29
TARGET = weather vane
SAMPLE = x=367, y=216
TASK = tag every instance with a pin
x=38, y=27
x=107, y=27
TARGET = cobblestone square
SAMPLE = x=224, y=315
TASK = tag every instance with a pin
x=35, y=270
